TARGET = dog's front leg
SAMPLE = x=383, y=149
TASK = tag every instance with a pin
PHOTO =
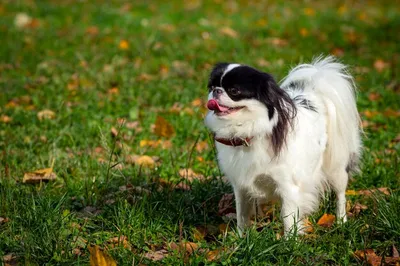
x=245, y=207
x=290, y=213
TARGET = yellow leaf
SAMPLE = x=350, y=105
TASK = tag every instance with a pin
x=308, y=227
x=303, y=32
x=326, y=220
x=42, y=175
x=123, y=45
x=228, y=32
x=199, y=233
x=46, y=114
x=214, y=254
x=99, y=258
x=113, y=90
x=197, y=102
x=163, y=128
x=145, y=161
x=164, y=144
x=308, y=11
x=351, y=193
x=5, y=119
x=190, y=175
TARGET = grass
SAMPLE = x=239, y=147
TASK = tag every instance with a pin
x=74, y=53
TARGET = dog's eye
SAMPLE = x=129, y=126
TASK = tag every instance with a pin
x=234, y=91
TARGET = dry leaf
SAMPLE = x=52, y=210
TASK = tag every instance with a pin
x=380, y=65
x=337, y=51
x=351, y=193
x=223, y=228
x=156, y=255
x=200, y=233
x=163, y=128
x=144, y=160
x=99, y=258
x=114, y=132
x=326, y=220
x=188, y=247
x=308, y=227
x=214, y=255
x=225, y=205
x=10, y=260
x=190, y=175
x=123, y=45
x=46, y=114
x=303, y=32
x=197, y=102
x=369, y=192
x=3, y=220
x=5, y=119
x=358, y=207
x=119, y=241
x=309, y=11
x=201, y=146
x=164, y=144
x=370, y=114
x=395, y=252
x=391, y=113
x=42, y=175
x=92, y=30
x=228, y=32
x=113, y=91
x=372, y=259
x=374, y=96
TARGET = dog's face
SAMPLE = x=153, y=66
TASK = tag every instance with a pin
x=242, y=101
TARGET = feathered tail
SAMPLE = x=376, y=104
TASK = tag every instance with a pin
x=334, y=85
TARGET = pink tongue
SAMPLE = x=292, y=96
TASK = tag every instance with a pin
x=213, y=105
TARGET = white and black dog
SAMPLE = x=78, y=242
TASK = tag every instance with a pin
x=290, y=141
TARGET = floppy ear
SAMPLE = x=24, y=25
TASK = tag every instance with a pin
x=278, y=103
x=216, y=74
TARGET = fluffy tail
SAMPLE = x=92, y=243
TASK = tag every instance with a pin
x=335, y=86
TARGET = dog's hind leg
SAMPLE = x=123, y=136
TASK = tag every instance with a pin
x=338, y=181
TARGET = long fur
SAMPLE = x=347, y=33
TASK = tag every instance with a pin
x=313, y=127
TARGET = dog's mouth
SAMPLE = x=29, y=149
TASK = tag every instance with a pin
x=220, y=109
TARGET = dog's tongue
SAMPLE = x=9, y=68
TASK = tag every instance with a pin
x=214, y=106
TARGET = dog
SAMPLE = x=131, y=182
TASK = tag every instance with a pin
x=289, y=142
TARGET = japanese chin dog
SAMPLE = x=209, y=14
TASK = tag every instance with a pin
x=290, y=141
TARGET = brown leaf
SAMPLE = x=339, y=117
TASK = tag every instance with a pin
x=380, y=65
x=92, y=30
x=308, y=11
x=5, y=119
x=123, y=45
x=358, y=207
x=391, y=113
x=46, y=114
x=190, y=175
x=199, y=233
x=144, y=160
x=374, y=96
x=337, y=51
x=369, y=192
x=42, y=175
x=163, y=128
x=164, y=144
x=223, y=228
x=188, y=247
x=114, y=132
x=3, y=220
x=156, y=255
x=99, y=258
x=370, y=114
x=225, y=205
x=308, y=227
x=201, y=146
x=197, y=102
x=10, y=260
x=395, y=252
x=229, y=32
x=351, y=192
x=303, y=32
x=119, y=241
x=278, y=42
x=214, y=255
x=326, y=220
x=372, y=259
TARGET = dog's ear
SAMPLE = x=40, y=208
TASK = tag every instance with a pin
x=278, y=103
x=216, y=74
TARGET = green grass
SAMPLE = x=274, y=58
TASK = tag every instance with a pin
x=38, y=65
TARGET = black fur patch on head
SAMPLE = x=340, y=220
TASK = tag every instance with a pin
x=297, y=85
x=216, y=74
x=244, y=82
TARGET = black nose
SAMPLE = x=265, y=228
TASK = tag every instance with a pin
x=217, y=92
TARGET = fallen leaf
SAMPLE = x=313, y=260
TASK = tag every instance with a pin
x=370, y=114
x=3, y=220
x=123, y=45
x=10, y=260
x=197, y=102
x=380, y=65
x=92, y=30
x=395, y=252
x=156, y=255
x=201, y=146
x=326, y=220
x=278, y=42
x=46, y=114
x=119, y=241
x=358, y=207
x=308, y=227
x=182, y=68
x=99, y=258
x=5, y=119
x=372, y=259
x=22, y=20
x=164, y=144
x=369, y=192
x=114, y=132
x=188, y=247
x=263, y=63
x=303, y=32
x=225, y=205
x=391, y=113
x=374, y=96
x=223, y=228
x=214, y=255
x=229, y=32
x=190, y=175
x=337, y=51
x=199, y=233
x=113, y=91
x=163, y=128
x=42, y=175
x=308, y=11
x=144, y=160
x=351, y=193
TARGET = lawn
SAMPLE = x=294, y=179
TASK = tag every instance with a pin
x=110, y=95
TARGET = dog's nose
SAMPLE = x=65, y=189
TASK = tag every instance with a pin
x=217, y=92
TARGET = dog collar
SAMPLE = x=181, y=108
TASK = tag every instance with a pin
x=235, y=141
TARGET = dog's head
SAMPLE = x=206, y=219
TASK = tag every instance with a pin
x=245, y=102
